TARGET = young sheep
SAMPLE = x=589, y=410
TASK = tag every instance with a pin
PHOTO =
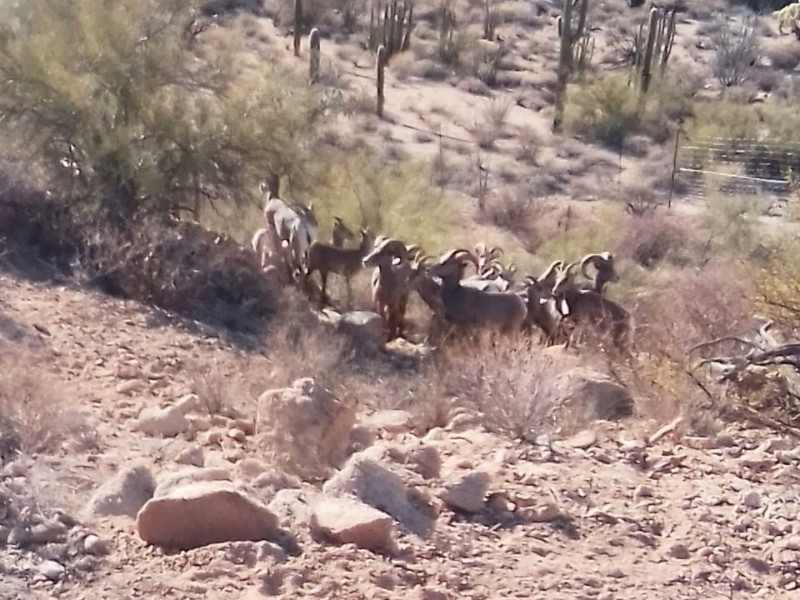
x=542, y=310
x=390, y=283
x=469, y=308
x=340, y=233
x=292, y=228
x=346, y=262
x=588, y=306
x=604, y=271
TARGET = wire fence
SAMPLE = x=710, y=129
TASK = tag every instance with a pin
x=737, y=167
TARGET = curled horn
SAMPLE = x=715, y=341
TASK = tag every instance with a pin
x=555, y=266
x=451, y=254
x=392, y=246
x=495, y=251
x=592, y=259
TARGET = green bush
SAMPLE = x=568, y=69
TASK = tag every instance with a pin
x=133, y=107
x=607, y=110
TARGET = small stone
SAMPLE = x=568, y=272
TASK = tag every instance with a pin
x=191, y=456
x=758, y=565
x=52, y=570
x=544, y=513
x=582, y=440
x=642, y=491
x=679, y=551
x=467, y=492
x=724, y=441
x=94, y=545
x=130, y=387
x=751, y=499
x=236, y=434
x=792, y=543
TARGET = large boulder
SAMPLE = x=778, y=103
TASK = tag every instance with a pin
x=305, y=428
x=204, y=513
x=124, y=494
x=346, y=521
x=373, y=483
x=587, y=395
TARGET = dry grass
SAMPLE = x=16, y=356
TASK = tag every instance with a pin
x=507, y=382
x=33, y=414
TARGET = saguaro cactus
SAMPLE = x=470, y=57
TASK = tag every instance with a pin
x=382, y=56
x=298, y=25
x=654, y=45
x=390, y=26
x=568, y=36
x=313, y=59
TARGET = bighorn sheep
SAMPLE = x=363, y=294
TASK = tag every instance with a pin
x=390, y=282
x=346, y=262
x=470, y=308
x=578, y=305
x=604, y=271
x=292, y=227
x=542, y=309
x=340, y=233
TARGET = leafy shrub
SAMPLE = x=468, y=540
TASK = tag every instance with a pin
x=736, y=50
x=608, y=110
x=132, y=105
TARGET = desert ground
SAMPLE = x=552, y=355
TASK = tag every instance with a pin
x=177, y=421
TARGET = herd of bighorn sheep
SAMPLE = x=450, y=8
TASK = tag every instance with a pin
x=554, y=305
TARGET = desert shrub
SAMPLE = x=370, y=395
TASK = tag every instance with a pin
x=607, y=110
x=778, y=286
x=180, y=267
x=128, y=107
x=676, y=310
x=730, y=224
x=736, y=50
x=396, y=200
x=33, y=417
x=517, y=213
x=655, y=238
x=508, y=382
x=592, y=233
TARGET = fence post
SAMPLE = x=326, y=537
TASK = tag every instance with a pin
x=313, y=59
x=298, y=20
x=674, y=167
x=381, y=68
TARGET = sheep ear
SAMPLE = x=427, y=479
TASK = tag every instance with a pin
x=543, y=300
x=564, y=309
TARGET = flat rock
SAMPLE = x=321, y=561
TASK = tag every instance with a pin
x=392, y=421
x=373, y=483
x=466, y=492
x=204, y=513
x=346, y=521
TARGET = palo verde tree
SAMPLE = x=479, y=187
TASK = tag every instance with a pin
x=138, y=106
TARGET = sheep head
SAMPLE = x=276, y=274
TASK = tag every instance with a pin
x=564, y=283
x=548, y=278
x=452, y=263
x=341, y=231
x=603, y=262
x=385, y=249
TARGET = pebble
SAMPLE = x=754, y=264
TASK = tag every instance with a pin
x=52, y=570
x=679, y=551
x=642, y=491
x=751, y=499
x=92, y=544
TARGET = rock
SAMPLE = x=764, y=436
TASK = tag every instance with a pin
x=792, y=543
x=364, y=326
x=642, y=491
x=236, y=434
x=774, y=445
x=582, y=440
x=467, y=492
x=425, y=460
x=679, y=551
x=758, y=565
x=167, y=422
x=293, y=506
x=390, y=421
x=346, y=521
x=544, y=513
x=52, y=570
x=95, y=546
x=130, y=387
x=305, y=427
x=374, y=484
x=124, y=494
x=590, y=395
x=204, y=513
x=191, y=456
x=176, y=479
x=48, y=532
x=751, y=499
x=725, y=440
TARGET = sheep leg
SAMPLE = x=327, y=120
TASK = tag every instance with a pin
x=323, y=296
x=349, y=293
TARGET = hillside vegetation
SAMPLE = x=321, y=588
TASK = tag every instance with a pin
x=141, y=335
